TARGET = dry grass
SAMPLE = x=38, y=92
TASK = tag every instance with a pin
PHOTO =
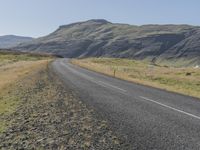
x=181, y=80
x=10, y=74
x=15, y=71
x=12, y=69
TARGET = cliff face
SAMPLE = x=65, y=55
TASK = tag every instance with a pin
x=96, y=38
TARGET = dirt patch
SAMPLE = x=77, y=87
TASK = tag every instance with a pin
x=51, y=117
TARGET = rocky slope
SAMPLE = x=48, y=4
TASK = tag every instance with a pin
x=102, y=38
x=9, y=41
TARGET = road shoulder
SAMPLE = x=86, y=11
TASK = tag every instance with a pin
x=51, y=117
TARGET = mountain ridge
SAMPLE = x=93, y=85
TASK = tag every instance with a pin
x=101, y=38
x=8, y=41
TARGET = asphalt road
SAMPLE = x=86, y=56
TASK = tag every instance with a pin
x=147, y=117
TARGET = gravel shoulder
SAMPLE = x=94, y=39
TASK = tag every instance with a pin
x=50, y=116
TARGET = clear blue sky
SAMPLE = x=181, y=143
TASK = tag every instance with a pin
x=40, y=17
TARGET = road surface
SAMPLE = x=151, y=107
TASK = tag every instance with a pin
x=147, y=117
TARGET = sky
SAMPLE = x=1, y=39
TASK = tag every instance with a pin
x=38, y=18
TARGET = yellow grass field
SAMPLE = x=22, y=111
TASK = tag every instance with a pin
x=13, y=68
x=12, y=72
x=181, y=80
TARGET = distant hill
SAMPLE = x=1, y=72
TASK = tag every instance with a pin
x=96, y=38
x=9, y=41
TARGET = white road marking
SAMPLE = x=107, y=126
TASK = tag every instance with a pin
x=101, y=83
x=107, y=84
x=92, y=79
x=183, y=112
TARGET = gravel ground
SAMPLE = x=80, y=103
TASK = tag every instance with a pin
x=51, y=117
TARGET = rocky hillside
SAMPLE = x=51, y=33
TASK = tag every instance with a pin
x=9, y=41
x=102, y=38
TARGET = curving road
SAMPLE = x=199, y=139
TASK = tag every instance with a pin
x=147, y=117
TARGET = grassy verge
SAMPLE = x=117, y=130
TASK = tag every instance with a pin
x=182, y=80
x=13, y=68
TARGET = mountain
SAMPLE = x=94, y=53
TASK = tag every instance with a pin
x=96, y=38
x=9, y=41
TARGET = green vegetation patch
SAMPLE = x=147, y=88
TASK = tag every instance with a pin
x=8, y=104
x=2, y=126
x=9, y=101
